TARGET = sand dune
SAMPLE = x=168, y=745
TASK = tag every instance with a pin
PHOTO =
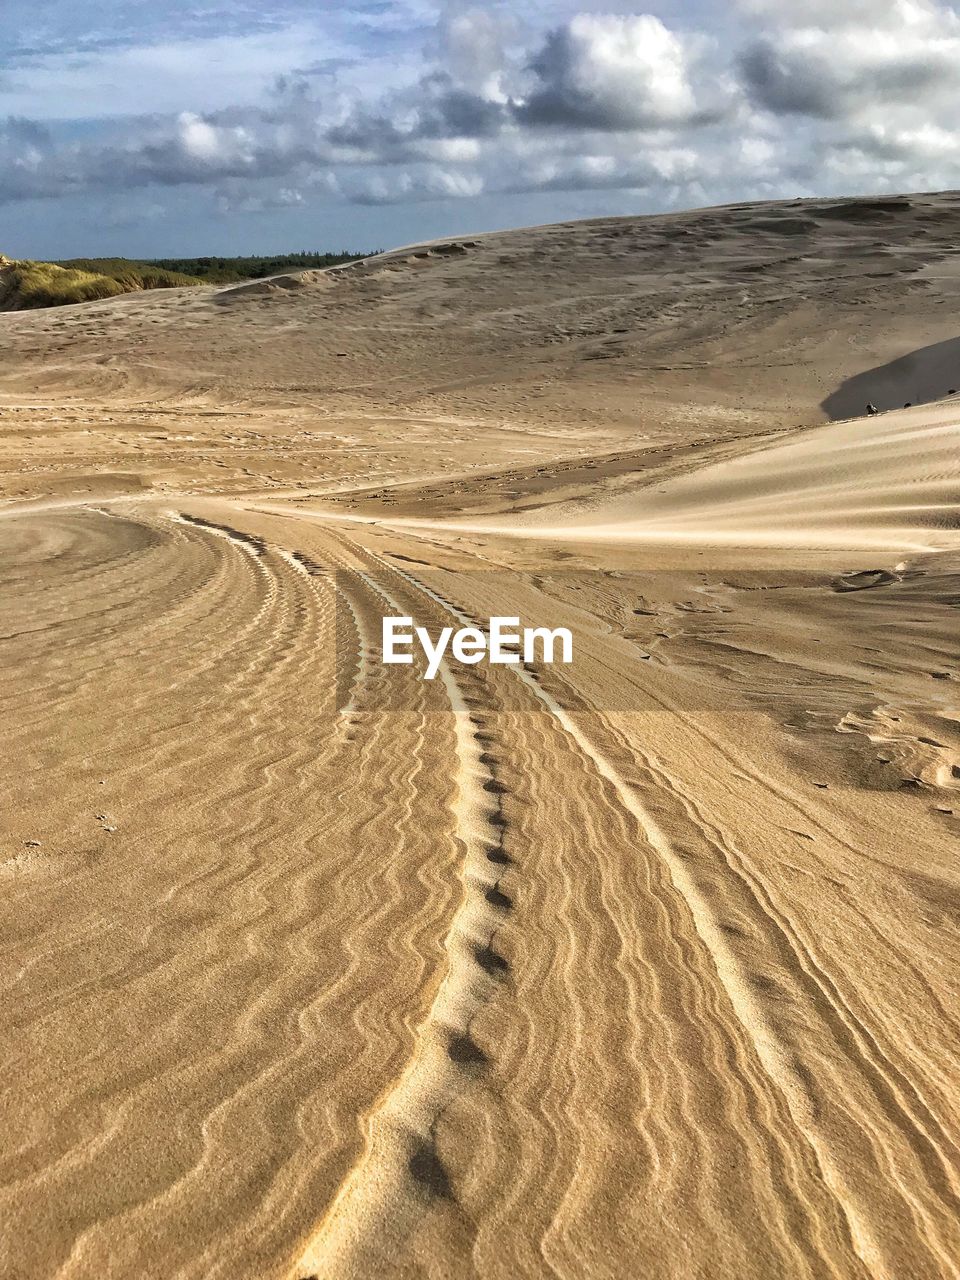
x=915, y=378
x=890, y=482
x=640, y=966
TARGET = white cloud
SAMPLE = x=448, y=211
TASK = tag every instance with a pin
x=870, y=15
x=655, y=168
x=865, y=90
x=475, y=47
x=836, y=64
x=610, y=72
x=430, y=184
x=235, y=198
x=495, y=100
x=165, y=77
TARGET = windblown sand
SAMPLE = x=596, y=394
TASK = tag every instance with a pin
x=643, y=966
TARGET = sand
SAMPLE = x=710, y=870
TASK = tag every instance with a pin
x=641, y=966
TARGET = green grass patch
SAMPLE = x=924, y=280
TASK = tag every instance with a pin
x=25, y=285
x=131, y=275
x=54, y=284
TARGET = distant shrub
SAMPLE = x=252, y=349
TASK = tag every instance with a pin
x=230, y=270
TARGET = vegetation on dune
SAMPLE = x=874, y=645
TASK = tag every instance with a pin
x=41, y=284
x=25, y=284
x=229, y=270
x=28, y=284
x=132, y=275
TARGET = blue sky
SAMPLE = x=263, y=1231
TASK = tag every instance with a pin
x=194, y=127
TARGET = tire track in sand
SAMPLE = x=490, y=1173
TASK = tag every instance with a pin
x=874, y=1241
x=400, y=1169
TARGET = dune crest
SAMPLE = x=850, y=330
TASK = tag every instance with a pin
x=890, y=482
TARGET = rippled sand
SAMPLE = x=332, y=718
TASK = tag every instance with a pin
x=641, y=966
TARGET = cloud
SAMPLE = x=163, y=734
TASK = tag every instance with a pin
x=25, y=147
x=836, y=63
x=436, y=108
x=474, y=46
x=658, y=168
x=267, y=115
x=616, y=73
x=432, y=184
x=863, y=93
x=829, y=13
x=122, y=215
x=189, y=149
x=238, y=199
x=18, y=132
x=165, y=76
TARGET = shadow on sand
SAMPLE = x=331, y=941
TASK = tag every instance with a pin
x=929, y=373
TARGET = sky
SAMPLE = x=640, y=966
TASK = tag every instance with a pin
x=196, y=127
